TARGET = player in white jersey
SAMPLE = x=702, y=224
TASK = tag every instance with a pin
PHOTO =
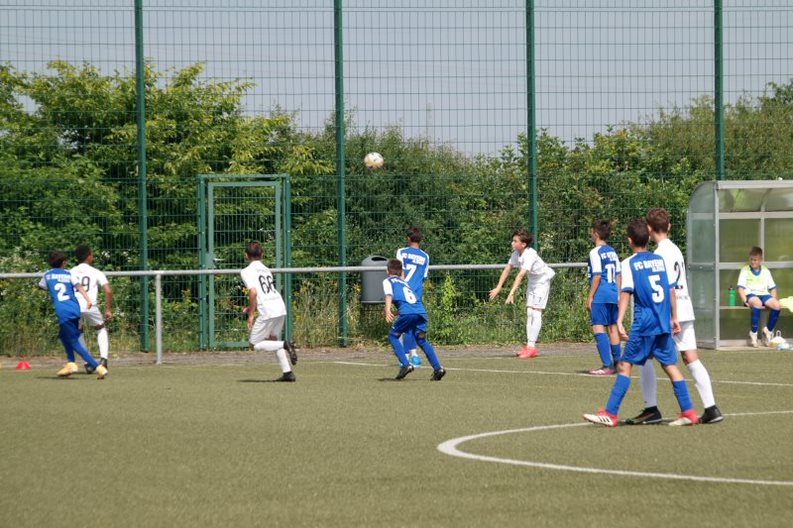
x=659, y=223
x=92, y=279
x=416, y=263
x=758, y=290
x=537, y=288
x=264, y=298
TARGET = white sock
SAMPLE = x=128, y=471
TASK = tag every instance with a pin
x=702, y=382
x=533, y=325
x=283, y=360
x=269, y=346
x=649, y=385
x=103, y=341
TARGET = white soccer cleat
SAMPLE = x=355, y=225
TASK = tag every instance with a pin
x=753, y=339
x=768, y=335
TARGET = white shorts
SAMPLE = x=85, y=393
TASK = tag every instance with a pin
x=686, y=339
x=266, y=329
x=537, y=294
x=92, y=318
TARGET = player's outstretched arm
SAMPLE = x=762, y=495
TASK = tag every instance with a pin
x=501, y=280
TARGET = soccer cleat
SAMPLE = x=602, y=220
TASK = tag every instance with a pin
x=753, y=339
x=101, y=372
x=768, y=335
x=291, y=349
x=711, y=415
x=602, y=371
x=528, y=352
x=648, y=416
x=103, y=362
x=404, y=371
x=602, y=417
x=688, y=417
x=88, y=368
x=68, y=369
x=438, y=374
x=415, y=360
x=287, y=376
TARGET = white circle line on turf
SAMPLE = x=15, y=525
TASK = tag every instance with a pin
x=550, y=373
x=450, y=447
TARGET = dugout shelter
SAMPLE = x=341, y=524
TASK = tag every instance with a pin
x=725, y=219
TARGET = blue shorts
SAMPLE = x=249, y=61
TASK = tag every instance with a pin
x=604, y=313
x=639, y=349
x=409, y=324
x=763, y=298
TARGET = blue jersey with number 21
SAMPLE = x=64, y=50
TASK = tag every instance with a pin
x=644, y=275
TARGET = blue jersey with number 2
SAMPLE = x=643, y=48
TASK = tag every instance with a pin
x=60, y=283
x=644, y=274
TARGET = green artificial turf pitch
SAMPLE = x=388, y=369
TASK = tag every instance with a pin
x=218, y=445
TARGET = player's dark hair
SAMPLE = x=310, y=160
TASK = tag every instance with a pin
x=394, y=266
x=638, y=232
x=602, y=228
x=658, y=219
x=254, y=249
x=56, y=259
x=414, y=234
x=524, y=236
x=756, y=251
x=81, y=253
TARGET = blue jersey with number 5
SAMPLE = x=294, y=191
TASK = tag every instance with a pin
x=60, y=283
x=644, y=275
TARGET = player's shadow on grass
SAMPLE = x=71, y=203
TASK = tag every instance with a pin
x=261, y=381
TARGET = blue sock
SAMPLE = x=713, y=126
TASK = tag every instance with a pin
x=682, y=395
x=618, y=391
x=399, y=352
x=429, y=351
x=616, y=354
x=756, y=318
x=773, y=317
x=85, y=354
x=604, y=348
x=408, y=342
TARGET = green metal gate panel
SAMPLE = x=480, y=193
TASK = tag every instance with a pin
x=233, y=210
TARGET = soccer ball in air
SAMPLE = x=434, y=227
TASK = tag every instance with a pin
x=373, y=160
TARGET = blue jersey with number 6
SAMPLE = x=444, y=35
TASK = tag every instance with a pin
x=60, y=283
x=403, y=297
x=644, y=274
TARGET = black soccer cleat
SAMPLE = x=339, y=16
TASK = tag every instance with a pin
x=103, y=362
x=404, y=371
x=88, y=368
x=711, y=415
x=291, y=349
x=438, y=374
x=288, y=377
x=648, y=416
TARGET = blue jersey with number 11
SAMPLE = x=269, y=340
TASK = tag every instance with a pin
x=644, y=274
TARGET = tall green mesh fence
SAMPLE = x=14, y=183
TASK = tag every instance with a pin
x=623, y=102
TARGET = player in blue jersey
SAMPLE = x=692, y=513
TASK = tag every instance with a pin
x=644, y=277
x=61, y=284
x=603, y=299
x=412, y=319
x=416, y=263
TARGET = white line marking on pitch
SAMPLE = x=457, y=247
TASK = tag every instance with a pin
x=450, y=447
x=550, y=373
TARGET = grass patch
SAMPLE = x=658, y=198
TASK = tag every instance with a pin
x=218, y=445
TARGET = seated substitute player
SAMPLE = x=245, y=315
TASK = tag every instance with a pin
x=264, y=297
x=659, y=223
x=644, y=277
x=412, y=319
x=603, y=299
x=92, y=279
x=416, y=263
x=537, y=287
x=61, y=285
x=758, y=290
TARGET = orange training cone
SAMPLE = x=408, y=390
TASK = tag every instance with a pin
x=23, y=365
